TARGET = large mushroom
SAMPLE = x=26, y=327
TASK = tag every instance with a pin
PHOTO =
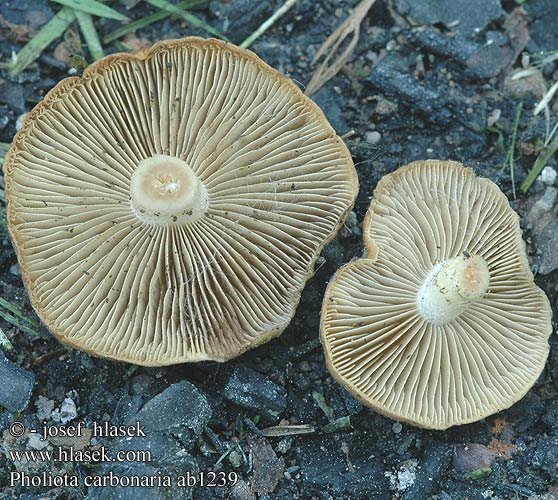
x=169, y=205
x=441, y=324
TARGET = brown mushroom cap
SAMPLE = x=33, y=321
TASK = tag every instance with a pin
x=169, y=205
x=441, y=324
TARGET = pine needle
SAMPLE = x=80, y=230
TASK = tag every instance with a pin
x=49, y=32
x=510, y=158
x=90, y=34
x=147, y=20
x=268, y=23
x=93, y=7
x=187, y=16
x=14, y=315
x=546, y=154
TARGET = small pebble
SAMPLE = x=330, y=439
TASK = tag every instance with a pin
x=36, y=442
x=19, y=121
x=373, y=137
x=548, y=176
x=397, y=427
x=473, y=456
x=494, y=117
x=66, y=412
x=16, y=387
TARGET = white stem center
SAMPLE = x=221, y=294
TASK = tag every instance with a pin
x=451, y=286
x=164, y=190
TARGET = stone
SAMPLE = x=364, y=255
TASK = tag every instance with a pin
x=542, y=25
x=465, y=18
x=181, y=409
x=250, y=389
x=373, y=137
x=543, y=222
x=16, y=387
x=157, y=492
x=241, y=18
x=470, y=457
x=11, y=94
x=548, y=175
x=331, y=104
x=342, y=465
x=436, y=459
x=268, y=467
x=392, y=77
x=404, y=477
x=166, y=457
x=66, y=413
x=525, y=84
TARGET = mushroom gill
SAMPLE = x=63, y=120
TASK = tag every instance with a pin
x=441, y=324
x=169, y=205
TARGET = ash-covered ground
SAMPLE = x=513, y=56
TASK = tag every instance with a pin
x=428, y=79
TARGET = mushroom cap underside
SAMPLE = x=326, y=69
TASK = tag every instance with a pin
x=106, y=270
x=483, y=352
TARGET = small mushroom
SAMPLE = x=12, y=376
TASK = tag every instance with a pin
x=169, y=205
x=441, y=324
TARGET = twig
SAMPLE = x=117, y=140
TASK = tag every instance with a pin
x=325, y=71
x=511, y=152
x=48, y=356
x=288, y=430
x=268, y=23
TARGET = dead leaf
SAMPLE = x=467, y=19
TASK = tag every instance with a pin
x=503, y=450
x=268, y=467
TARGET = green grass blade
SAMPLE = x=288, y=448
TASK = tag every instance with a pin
x=48, y=33
x=196, y=21
x=17, y=311
x=512, y=147
x=147, y=20
x=5, y=343
x=18, y=323
x=90, y=34
x=543, y=158
x=510, y=158
x=93, y=7
x=14, y=315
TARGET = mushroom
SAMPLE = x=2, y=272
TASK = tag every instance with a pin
x=441, y=323
x=169, y=205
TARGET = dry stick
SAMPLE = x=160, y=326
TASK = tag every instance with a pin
x=351, y=25
x=267, y=24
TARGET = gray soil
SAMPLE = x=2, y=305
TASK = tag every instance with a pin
x=428, y=79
